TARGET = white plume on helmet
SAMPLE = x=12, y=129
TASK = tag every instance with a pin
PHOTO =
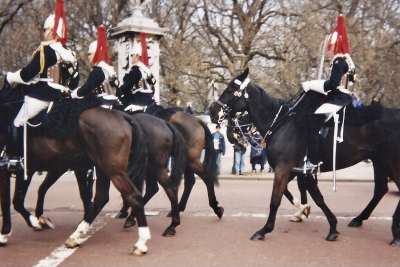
x=137, y=49
x=49, y=24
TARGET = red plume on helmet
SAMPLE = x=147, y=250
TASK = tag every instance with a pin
x=338, y=42
x=101, y=53
x=60, y=14
x=145, y=56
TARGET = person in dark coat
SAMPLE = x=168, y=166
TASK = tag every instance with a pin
x=52, y=72
x=240, y=152
x=257, y=151
x=342, y=71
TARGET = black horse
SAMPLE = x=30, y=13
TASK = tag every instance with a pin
x=241, y=127
x=92, y=135
x=376, y=139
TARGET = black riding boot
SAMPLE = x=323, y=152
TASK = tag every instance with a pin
x=314, y=125
x=12, y=161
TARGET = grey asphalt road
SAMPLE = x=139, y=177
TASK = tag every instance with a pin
x=204, y=240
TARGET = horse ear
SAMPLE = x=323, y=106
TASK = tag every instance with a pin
x=244, y=75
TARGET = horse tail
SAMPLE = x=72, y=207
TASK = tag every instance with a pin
x=210, y=160
x=138, y=154
x=179, y=154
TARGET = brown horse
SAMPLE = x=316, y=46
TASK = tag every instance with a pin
x=377, y=139
x=93, y=136
x=197, y=136
x=161, y=140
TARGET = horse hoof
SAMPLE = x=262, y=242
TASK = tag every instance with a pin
x=169, y=214
x=129, y=223
x=257, y=237
x=137, y=252
x=295, y=219
x=355, y=223
x=46, y=223
x=71, y=243
x=332, y=236
x=307, y=211
x=169, y=232
x=121, y=215
x=220, y=212
x=395, y=242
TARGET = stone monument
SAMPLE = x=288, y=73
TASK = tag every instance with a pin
x=127, y=34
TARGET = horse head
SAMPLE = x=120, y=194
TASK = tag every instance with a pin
x=232, y=100
x=238, y=127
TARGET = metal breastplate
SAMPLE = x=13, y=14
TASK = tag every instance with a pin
x=60, y=73
x=104, y=88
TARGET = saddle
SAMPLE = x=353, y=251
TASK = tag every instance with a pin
x=62, y=118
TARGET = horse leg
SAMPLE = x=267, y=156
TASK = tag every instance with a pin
x=304, y=208
x=50, y=179
x=21, y=187
x=85, y=184
x=381, y=188
x=281, y=180
x=151, y=190
x=5, y=195
x=100, y=200
x=172, y=192
x=190, y=180
x=123, y=213
x=315, y=193
x=396, y=227
x=199, y=169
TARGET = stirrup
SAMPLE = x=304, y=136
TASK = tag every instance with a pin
x=307, y=168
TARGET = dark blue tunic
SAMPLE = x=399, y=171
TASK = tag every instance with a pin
x=335, y=96
x=131, y=83
x=41, y=90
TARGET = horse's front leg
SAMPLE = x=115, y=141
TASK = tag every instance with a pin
x=304, y=208
x=21, y=188
x=281, y=179
x=315, y=193
x=100, y=200
x=5, y=206
x=50, y=179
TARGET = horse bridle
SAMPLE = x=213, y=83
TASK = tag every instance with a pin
x=226, y=107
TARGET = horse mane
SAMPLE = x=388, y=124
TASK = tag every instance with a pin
x=162, y=112
x=57, y=124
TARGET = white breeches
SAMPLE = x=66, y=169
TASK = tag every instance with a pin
x=133, y=108
x=328, y=109
x=30, y=109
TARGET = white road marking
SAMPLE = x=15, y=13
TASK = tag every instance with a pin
x=61, y=253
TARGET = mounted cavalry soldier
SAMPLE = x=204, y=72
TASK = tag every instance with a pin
x=102, y=79
x=342, y=71
x=137, y=90
x=49, y=77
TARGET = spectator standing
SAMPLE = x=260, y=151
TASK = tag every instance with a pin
x=240, y=150
x=189, y=108
x=219, y=146
x=375, y=100
x=359, y=103
x=178, y=102
x=354, y=96
x=256, y=156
